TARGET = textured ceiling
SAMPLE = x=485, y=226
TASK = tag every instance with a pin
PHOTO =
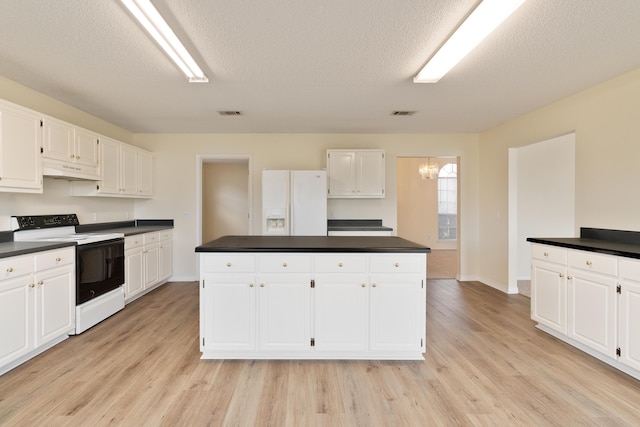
x=328, y=66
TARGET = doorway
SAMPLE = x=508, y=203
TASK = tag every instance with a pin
x=224, y=196
x=541, y=201
x=418, y=215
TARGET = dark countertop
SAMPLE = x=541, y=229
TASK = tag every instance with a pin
x=356, y=225
x=128, y=228
x=312, y=244
x=611, y=242
x=9, y=249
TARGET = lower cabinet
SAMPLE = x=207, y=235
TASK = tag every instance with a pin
x=590, y=300
x=319, y=306
x=148, y=262
x=37, y=303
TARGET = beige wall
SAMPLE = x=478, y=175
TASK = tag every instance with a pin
x=606, y=120
x=175, y=178
x=224, y=200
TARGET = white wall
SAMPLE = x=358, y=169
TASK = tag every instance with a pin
x=606, y=125
x=175, y=192
x=545, y=199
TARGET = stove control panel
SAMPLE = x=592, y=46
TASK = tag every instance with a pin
x=35, y=222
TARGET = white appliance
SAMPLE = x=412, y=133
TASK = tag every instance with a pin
x=294, y=203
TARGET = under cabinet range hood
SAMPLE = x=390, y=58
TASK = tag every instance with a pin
x=69, y=171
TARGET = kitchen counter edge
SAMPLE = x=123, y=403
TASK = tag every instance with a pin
x=318, y=244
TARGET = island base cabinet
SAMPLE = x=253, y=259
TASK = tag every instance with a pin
x=630, y=324
x=286, y=313
x=396, y=306
x=341, y=308
x=549, y=295
x=229, y=322
x=284, y=320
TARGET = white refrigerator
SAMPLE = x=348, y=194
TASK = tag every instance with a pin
x=294, y=203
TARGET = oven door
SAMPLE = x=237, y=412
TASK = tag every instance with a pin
x=99, y=269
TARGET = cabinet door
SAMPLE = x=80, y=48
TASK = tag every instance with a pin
x=58, y=140
x=396, y=315
x=86, y=148
x=134, y=272
x=284, y=322
x=592, y=310
x=129, y=164
x=16, y=313
x=110, y=166
x=144, y=162
x=55, y=304
x=371, y=173
x=20, y=158
x=549, y=295
x=228, y=312
x=630, y=324
x=166, y=259
x=341, y=309
x=341, y=172
x=150, y=254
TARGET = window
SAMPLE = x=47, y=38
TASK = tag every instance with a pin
x=448, y=202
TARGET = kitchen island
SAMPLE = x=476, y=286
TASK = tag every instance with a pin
x=304, y=297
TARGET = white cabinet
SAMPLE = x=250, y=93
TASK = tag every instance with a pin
x=133, y=267
x=284, y=321
x=55, y=294
x=165, y=255
x=125, y=171
x=229, y=323
x=37, y=303
x=144, y=162
x=16, y=308
x=148, y=262
x=20, y=142
x=629, y=311
x=313, y=306
x=549, y=295
x=356, y=173
x=590, y=300
x=69, y=148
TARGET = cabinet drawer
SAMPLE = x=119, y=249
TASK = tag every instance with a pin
x=397, y=263
x=55, y=258
x=340, y=263
x=16, y=266
x=549, y=253
x=150, y=238
x=229, y=263
x=629, y=269
x=133, y=241
x=594, y=262
x=285, y=263
x=165, y=235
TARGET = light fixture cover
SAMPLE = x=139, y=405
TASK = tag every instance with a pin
x=158, y=28
x=486, y=17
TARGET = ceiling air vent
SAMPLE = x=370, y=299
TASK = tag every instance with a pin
x=403, y=113
x=230, y=113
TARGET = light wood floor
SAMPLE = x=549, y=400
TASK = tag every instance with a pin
x=485, y=365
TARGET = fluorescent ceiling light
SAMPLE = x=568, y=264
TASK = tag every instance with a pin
x=482, y=21
x=151, y=20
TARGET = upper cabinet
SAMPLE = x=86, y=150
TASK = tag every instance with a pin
x=125, y=171
x=20, y=141
x=355, y=173
x=67, y=148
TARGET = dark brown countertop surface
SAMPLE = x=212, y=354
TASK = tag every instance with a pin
x=312, y=244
